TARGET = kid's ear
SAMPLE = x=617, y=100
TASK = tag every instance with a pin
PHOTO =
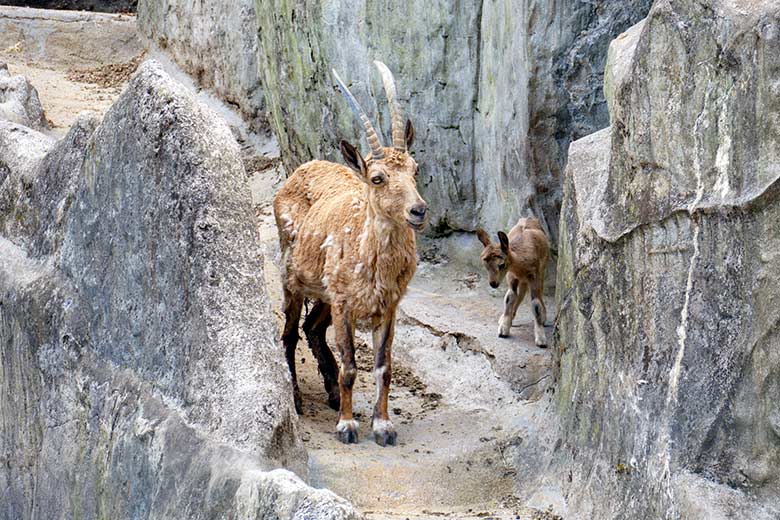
x=409, y=134
x=353, y=159
x=483, y=237
x=504, y=242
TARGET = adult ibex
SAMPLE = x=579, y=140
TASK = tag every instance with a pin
x=348, y=244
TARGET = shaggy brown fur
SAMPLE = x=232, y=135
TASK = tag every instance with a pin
x=521, y=258
x=348, y=243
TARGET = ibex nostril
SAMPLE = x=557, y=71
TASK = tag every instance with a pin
x=419, y=210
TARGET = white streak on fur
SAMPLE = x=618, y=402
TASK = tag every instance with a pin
x=378, y=373
x=343, y=425
x=358, y=268
x=328, y=242
x=289, y=224
x=382, y=425
x=540, y=337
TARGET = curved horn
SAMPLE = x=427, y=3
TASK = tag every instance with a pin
x=377, y=152
x=399, y=142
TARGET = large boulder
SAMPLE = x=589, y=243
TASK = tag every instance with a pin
x=19, y=101
x=140, y=375
x=668, y=377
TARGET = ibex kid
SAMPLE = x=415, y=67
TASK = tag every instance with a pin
x=520, y=258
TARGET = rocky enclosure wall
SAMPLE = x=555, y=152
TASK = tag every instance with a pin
x=52, y=37
x=496, y=89
x=216, y=44
x=140, y=375
x=668, y=334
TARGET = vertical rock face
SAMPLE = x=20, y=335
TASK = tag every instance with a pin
x=214, y=42
x=668, y=330
x=52, y=37
x=139, y=372
x=496, y=89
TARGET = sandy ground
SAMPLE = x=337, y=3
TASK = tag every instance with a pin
x=62, y=99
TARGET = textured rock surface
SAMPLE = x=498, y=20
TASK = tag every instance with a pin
x=214, y=42
x=68, y=39
x=495, y=89
x=668, y=332
x=139, y=372
x=19, y=101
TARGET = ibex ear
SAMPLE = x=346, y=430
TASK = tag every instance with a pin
x=353, y=158
x=504, y=242
x=483, y=237
x=409, y=134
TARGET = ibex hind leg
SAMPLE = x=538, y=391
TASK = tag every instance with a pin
x=537, y=307
x=292, y=315
x=315, y=326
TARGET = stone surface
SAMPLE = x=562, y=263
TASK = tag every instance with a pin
x=215, y=43
x=19, y=101
x=68, y=39
x=140, y=374
x=667, y=334
x=496, y=89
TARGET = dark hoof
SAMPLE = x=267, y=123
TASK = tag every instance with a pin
x=348, y=436
x=384, y=432
x=334, y=402
x=347, y=431
x=503, y=335
x=386, y=438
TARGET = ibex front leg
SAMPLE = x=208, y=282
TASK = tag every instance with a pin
x=513, y=298
x=384, y=329
x=347, y=427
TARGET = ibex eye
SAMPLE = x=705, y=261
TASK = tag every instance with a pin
x=376, y=180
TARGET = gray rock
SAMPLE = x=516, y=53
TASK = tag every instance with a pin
x=495, y=89
x=68, y=39
x=141, y=375
x=667, y=334
x=215, y=43
x=19, y=101
x=21, y=150
x=40, y=182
